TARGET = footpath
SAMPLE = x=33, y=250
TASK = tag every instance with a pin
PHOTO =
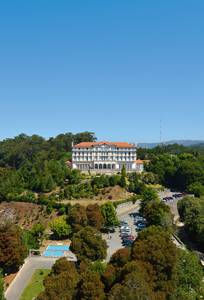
x=16, y=288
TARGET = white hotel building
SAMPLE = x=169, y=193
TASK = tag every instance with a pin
x=105, y=157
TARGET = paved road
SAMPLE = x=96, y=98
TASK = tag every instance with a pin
x=172, y=204
x=125, y=208
x=21, y=280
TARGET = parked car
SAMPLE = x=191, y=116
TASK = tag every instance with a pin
x=123, y=223
x=111, y=229
x=125, y=232
x=125, y=235
x=106, y=229
x=129, y=237
x=168, y=199
x=140, y=226
x=177, y=195
x=123, y=228
x=128, y=231
x=127, y=243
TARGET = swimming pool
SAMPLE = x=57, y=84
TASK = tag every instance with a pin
x=55, y=250
x=58, y=248
x=48, y=253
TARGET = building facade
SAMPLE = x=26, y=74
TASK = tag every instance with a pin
x=104, y=157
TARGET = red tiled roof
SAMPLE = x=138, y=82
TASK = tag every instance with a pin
x=92, y=144
x=140, y=161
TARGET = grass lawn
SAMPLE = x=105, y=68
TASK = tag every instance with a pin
x=35, y=286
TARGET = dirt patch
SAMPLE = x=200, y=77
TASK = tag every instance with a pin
x=85, y=202
x=24, y=214
x=9, y=278
x=115, y=193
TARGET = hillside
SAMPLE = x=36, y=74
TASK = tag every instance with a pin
x=186, y=143
x=115, y=193
x=24, y=214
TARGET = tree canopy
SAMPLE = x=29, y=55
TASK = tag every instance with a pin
x=88, y=243
x=35, y=164
x=191, y=211
x=12, y=248
x=1, y=287
x=60, y=228
x=109, y=214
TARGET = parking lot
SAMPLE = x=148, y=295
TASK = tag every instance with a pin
x=129, y=227
x=131, y=222
x=125, y=234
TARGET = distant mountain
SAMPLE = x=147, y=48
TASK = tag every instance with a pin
x=147, y=145
x=186, y=143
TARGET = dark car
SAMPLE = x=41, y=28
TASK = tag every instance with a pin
x=140, y=226
x=108, y=229
x=128, y=238
x=125, y=233
x=111, y=229
x=123, y=223
x=127, y=243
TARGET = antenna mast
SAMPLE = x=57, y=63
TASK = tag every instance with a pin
x=160, y=133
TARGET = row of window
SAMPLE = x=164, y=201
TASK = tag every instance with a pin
x=83, y=167
x=105, y=159
x=104, y=152
x=103, y=149
x=102, y=166
x=107, y=156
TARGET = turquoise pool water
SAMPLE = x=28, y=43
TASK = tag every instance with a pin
x=48, y=253
x=55, y=250
x=58, y=248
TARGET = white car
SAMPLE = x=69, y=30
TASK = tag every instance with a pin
x=124, y=228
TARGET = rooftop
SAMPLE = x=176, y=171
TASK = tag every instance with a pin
x=92, y=144
x=142, y=161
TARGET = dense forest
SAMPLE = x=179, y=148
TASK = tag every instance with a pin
x=177, y=167
x=32, y=164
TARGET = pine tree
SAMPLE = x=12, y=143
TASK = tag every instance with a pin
x=123, y=171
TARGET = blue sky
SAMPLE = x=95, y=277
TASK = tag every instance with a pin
x=113, y=67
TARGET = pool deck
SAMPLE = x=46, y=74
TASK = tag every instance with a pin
x=56, y=249
x=47, y=243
